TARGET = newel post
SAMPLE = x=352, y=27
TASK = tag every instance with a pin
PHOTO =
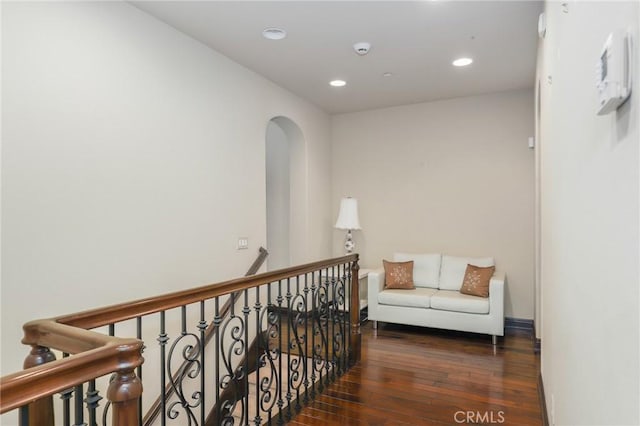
x=125, y=388
x=355, y=338
x=40, y=411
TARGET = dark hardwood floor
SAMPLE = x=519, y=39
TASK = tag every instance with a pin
x=416, y=376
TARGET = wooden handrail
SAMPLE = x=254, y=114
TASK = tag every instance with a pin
x=124, y=311
x=257, y=264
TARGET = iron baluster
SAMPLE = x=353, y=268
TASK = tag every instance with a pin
x=342, y=309
x=313, y=334
x=321, y=319
x=306, y=337
x=232, y=377
x=216, y=322
x=327, y=362
x=105, y=412
x=268, y=339
x=78, y=405
x=257, y=420
x=334, y=313
x=337, y=333
x=335, y=348
x=66, y=395
x=269, y=397
x=338, y=338
x=139, y=369
x=245, y=312
x=355, y=337
x=289, y=348
x=202, y=326
x=279, y=299
x=190, y=369
x=347, y=316
x=24, y=415
x=340, y=313
x=348, y=308
x=163, y=339
x=297, y=363
x=92, y=401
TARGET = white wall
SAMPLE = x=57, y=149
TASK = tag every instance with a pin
x=589, y=222
x=133, y=157
x=453, y=176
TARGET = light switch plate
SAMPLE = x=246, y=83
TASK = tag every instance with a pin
x=243, y=243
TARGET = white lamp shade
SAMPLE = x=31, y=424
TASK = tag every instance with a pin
x=348, y=216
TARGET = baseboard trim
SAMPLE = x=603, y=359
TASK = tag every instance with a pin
x=543, y=401
x=519, y=323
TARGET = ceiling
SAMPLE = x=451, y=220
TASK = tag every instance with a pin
x=416, y=41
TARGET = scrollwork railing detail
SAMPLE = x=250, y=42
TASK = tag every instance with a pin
x=189, y=371
x=232, y=347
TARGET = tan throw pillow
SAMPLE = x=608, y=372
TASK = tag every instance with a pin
x=476, y=280
x=398, y=275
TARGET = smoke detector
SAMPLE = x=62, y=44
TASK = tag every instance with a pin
x=362, y=48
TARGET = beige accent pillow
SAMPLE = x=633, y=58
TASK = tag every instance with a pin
x=398, y=275
x=476, y=280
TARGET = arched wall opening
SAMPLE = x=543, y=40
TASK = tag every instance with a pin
x=286, y=189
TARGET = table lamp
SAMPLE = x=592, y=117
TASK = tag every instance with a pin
x=348, y=219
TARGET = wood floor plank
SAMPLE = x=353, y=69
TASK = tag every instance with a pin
x=418, y=376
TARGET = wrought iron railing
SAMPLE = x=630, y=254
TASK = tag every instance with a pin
x=287, y=336
x=210, y=331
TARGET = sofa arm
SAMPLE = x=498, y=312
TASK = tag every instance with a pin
x=496, y=296
x=375, y=283
x=375, y=280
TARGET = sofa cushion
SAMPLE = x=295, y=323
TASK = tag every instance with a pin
x=416, y=298
x=453, y=300
x=426, y=268
x=398, y=275
x=476, y=280
x=453, y=269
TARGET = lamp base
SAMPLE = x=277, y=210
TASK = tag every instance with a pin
x=349, y=244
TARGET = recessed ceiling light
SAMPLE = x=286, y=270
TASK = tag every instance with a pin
x=274, y=33
x=462, y=62
x=337, y=83
x=387, y=74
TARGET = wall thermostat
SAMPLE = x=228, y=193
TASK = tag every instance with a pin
x=613, y=72
x=542, y=25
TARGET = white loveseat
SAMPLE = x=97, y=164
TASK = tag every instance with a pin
x=436, y=300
